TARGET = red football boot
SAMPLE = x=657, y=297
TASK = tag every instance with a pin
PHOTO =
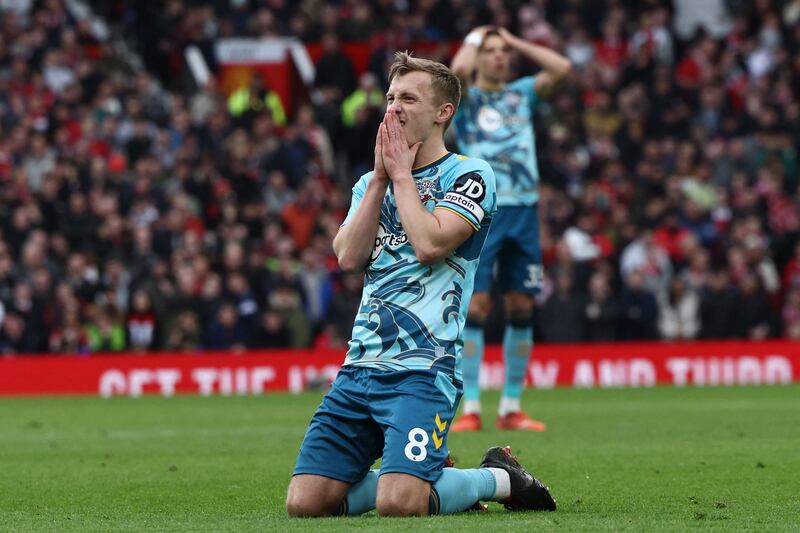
x=519, y=420
x=467, y=422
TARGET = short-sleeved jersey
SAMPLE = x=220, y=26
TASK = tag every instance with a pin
x=412, y=315
x=497, y=126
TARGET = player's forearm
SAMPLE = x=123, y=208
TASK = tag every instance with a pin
x=463, y=63
x=354, y=242
x=421, y=226
x=551, y=61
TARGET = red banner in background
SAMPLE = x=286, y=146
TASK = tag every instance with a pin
x=257, y=372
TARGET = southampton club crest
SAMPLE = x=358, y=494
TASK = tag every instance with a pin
x=426, y=189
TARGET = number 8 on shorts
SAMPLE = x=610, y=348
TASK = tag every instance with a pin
x=417, y=440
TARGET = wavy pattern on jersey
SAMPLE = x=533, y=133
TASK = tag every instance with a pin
x=375, y=275
x=511, y=156
x=454, y=308
x=523, y=175
x=390, y=218
x=498, y=127
x=411, y=315
x=460, y=270
x=397, y=326
x=495, y=137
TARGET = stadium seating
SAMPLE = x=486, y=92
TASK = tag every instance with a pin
x=137, y=213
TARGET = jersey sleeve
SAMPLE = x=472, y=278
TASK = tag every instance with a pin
x=472, y=196
x=358, y=194
x=527, y=85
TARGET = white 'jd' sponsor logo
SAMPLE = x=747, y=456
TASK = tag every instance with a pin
x=472, y=188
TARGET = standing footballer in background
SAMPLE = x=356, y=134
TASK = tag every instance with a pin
x=416, y=225
x=495, y=123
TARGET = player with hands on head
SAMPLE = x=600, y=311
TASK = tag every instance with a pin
x=495, y=123
x=416, y=226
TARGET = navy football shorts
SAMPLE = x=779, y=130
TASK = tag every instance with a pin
x=402, y=417
x=512, y=252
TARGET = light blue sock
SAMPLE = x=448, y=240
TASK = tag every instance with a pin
x=458, y=489
x=471, y=362
x=361, y=496
x=517, y=345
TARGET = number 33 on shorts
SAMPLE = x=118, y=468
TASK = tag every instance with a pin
x=418, y=440
x=535, y=277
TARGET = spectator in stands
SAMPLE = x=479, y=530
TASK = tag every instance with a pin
x=362, y=111
x=287, y=302
x=650, y=260
x=317, y=138
x=117, y=178
x=277, y=194
x=791, y=272
x=754, y=317
x=238, y=291
x=105, y=332
x=249, y=100
x=718, y=301
x=638, y=309
x=69, y=336
x=600, y=311
x=16, y=336
x=184, y=334
x=367, y=95
x=272, y=331
x=40, y=160
x=315, y=280
x=207, y=303
x=790, y=315
x=678, y=312
x=300, y=216
x=334, y=69
x=141, y=323
x=226, y=331
x=561, y=316
x=344, y=307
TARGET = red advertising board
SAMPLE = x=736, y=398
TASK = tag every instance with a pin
x=257, y=372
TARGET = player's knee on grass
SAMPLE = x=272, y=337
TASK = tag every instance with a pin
x=310, y=495
x=402, y=495
x=478, y=308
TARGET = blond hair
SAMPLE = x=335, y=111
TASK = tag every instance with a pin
x=446, y=86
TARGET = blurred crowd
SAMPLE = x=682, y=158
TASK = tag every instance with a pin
x=140, y=212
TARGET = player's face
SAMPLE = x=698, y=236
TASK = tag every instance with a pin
x=412, y=98
x=494, y=58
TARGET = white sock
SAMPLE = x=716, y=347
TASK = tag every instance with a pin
x=502, y=483
x=508, y=405
x=472, y=407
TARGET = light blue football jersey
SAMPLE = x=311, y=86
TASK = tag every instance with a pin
x=412, y=315
x=497, y=126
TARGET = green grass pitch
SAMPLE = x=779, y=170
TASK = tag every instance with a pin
x=639, y=460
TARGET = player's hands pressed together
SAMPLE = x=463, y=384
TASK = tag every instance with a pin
x=398, y=157
x=379, y=171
